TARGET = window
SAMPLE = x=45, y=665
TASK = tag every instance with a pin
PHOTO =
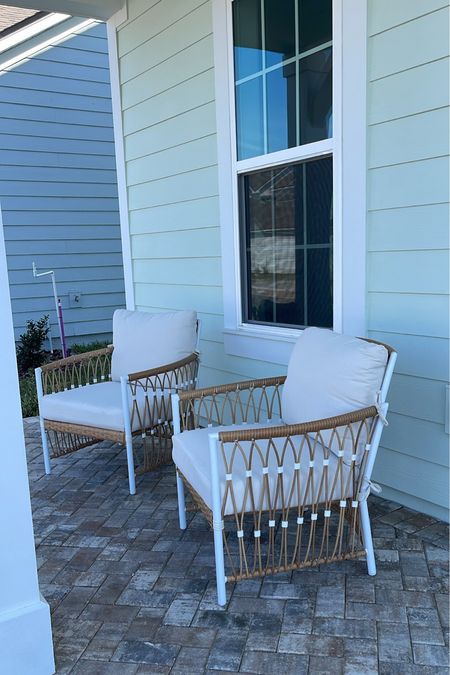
x=283, y=101
x=292, y=170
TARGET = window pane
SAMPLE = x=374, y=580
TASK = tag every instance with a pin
x=288, y=280
x=281, y=104
x=249, y=118
x=319, y=203
x=315, y=23
x=247, y=37
x=315, y=97
x=320, y=287
x=291, y=105
x=279, y=23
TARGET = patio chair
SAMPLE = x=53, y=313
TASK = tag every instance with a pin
x=284, y=477
x=121, y=391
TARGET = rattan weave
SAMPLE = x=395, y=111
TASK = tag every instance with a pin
x=275, y=516
x=152, y=422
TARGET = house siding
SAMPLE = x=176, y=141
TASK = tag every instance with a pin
x=408, y=240
x=58, y=187
x=167, y=88
x=169, y=120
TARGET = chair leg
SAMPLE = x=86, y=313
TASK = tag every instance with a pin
x=130, y=462
x=45, y=449
x=220, y=564
x=181, y=503
x=367, y=538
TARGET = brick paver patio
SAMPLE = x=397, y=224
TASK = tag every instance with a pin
x=130, y=593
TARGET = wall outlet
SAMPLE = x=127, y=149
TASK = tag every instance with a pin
x=74, y=299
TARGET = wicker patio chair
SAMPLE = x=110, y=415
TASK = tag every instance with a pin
x=121, y=391
x=284, y=477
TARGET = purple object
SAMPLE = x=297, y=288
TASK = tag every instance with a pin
x=61, y=328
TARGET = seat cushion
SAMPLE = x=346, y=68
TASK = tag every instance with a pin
x=331, y=374
x=143, y=340
x=191, y=455
x=96, y=405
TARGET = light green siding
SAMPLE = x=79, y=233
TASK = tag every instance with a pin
x=167, y=87
x=408, y=239
x=166, y=69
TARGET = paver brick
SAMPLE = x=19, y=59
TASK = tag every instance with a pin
x=267, y=662
x=142, y=651
x=384, y=612
x=181, y=611
x=352, y=628
x=227, y=649
x=314, y=645
x=186, y=636
x=394, y=642
x=190, y=660
x=431, y=655
x=330, y=602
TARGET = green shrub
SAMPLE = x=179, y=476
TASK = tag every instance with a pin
x=30, y=353
x=87, y=347
x=28, y=396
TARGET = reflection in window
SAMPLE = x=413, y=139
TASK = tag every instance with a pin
x=287, y=244
x=247, y=37
x=281, y=120
x=282, y=55
x=315, y=97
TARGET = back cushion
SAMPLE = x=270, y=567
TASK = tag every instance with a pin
x=143, y=340
x=331, y=374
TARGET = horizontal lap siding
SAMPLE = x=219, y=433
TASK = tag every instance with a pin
x=408, y=239
x=167, y=87
x=166, y=72
x=58, y=187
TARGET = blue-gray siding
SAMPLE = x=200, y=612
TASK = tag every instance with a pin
x=58, y=187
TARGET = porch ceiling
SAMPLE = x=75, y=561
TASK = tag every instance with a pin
x=95, y=9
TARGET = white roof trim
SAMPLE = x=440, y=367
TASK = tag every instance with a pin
x=71, y=26
x=29, y=31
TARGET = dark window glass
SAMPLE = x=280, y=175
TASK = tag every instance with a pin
x=315, y=94
x=287, y=244
x=281, y=106
x=319, y=189
x=319, y=284
x=314, y=23
x=247, y=37
x=249, y=118
x=279, y=24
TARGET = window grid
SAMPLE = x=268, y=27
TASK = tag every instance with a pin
x=249, y=248
x=243, y=173
x=265, y=70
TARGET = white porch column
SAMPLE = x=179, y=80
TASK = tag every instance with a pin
x=25, y=631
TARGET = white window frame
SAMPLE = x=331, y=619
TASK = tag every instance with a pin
x=272, y=343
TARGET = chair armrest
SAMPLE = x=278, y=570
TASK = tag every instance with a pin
x=233, y=387
x=235, y=403
x=76, y=358
x=159, y=371
x=312, y=427
x=77, y=370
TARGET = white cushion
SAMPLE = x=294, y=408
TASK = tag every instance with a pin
x=191, y=455
x=331, y=374
x=96, y=405
x=143, y=340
